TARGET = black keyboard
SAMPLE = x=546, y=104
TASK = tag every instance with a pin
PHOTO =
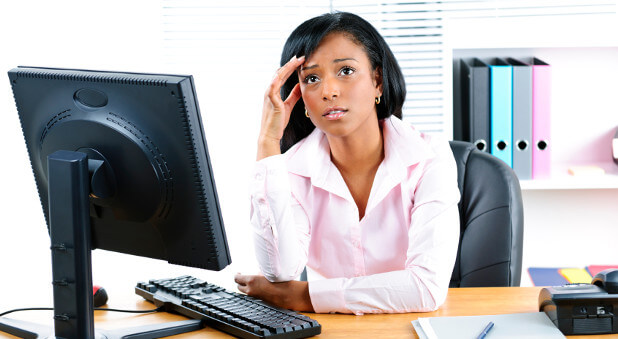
x=230, y=312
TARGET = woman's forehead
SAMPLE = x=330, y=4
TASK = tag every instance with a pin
x=338, y=45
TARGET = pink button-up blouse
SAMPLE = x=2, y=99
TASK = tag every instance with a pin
x=398, y=258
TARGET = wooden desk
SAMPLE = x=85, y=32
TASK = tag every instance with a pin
x=460, y=301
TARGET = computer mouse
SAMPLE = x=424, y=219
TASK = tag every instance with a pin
x=608, y=280
x=99, y=296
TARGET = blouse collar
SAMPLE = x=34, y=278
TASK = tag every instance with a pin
x=404, y=146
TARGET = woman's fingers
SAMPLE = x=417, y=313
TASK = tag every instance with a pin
x=292, y=98
x=250, y=284
x=282, y=75
x=286, y=70
x=242, y=281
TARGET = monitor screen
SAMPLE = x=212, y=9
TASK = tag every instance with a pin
x=154, y=195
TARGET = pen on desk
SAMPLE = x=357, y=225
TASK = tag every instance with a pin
x=486, y=330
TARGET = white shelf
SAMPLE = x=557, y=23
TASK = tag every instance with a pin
x=562, y=180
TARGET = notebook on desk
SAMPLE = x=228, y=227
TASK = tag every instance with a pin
x=515, y=325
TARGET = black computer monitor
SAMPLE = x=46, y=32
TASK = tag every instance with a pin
x=121, y=164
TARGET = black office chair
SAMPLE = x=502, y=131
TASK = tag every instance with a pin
x=491, y=218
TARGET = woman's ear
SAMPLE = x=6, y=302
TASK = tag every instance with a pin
x=377, y=81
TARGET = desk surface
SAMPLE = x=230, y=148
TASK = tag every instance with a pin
x=460, y=301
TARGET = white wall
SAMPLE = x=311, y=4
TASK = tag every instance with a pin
x=569, y=228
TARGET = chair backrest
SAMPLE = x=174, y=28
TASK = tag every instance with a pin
x=491, y=218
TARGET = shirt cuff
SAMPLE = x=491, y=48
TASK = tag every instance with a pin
x=327, y=295
x=267, y=167
x=269, y=161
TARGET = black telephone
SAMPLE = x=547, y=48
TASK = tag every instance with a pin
x=583, y=308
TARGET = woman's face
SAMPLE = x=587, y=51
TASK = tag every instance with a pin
x=339, y=87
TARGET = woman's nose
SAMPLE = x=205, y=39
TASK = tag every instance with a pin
x=330, y=89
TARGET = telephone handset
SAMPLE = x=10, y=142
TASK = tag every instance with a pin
x=607, y=280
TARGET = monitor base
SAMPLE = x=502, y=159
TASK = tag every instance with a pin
x=30, y=330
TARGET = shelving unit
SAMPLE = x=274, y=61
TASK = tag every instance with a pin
x=583, y=53
x=570, y=221
x=584, y=112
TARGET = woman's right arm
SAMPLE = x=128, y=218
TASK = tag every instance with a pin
x=280, y=225
x=276, y=112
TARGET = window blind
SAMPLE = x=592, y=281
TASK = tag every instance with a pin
x=234, y=35
x=414, y=30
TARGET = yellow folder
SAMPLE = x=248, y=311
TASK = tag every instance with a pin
x=576, y=275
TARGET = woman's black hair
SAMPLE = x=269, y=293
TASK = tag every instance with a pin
x=306, y=38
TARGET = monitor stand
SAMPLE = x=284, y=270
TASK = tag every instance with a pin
x=25, y=329
x=72, y=178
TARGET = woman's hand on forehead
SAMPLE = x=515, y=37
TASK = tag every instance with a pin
x=276, y=112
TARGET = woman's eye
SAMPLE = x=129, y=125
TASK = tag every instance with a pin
x=310, y=79
x=347, y=71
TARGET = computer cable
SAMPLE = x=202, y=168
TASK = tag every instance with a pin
x=158, y=309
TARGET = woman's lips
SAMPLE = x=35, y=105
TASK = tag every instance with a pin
x=334, y=113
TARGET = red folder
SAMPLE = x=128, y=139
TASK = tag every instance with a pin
x=594, y=269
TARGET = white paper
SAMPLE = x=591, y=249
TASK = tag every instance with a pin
x=516, y=325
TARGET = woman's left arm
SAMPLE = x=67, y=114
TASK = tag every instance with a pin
x=433, y=238
x=421, y=287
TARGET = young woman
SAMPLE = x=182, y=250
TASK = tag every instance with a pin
x=360, y=197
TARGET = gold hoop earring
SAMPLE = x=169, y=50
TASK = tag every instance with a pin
x=377, y=100
x=306, y=113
